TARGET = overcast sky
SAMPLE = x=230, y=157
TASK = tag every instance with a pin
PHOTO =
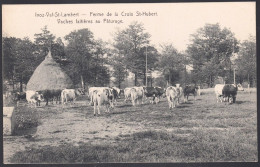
x=171, y=23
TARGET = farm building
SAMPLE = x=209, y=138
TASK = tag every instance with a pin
x=49, y=75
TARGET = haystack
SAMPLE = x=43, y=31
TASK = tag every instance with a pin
x=48, y=75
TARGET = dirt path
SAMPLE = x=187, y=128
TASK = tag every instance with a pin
x=69, y=127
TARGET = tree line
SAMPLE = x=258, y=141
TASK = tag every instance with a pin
x=213, y=52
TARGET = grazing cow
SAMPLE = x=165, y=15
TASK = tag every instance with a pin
x=70, y=95
x=137, y=94
x=51, y=95
x=20, y=96
x=154, y=93
x=102, y=97
x=190, y=89
x=55, y=95
x=161, y=92
x=127, y=93
x=228, y=92
x=151, y=92
x=34, y=97
x=119, y=91
x=172, y=96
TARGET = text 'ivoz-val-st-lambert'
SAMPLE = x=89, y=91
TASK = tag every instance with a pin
x=95, y=14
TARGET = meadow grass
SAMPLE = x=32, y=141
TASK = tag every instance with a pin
x=197, y=131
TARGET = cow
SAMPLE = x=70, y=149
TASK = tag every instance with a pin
x=34, y=97
x=116, y=93
x=150, y=92
x=137, y=94
x=20, y=96
x=51, y=95
x=154, y=93
x=227, y=91
x=119, y=91
x=161, y=92
x=91, y=91
x=70, y=95
x=102, y=97
x=171, y=94
x=219, y=91
x=179, y=91
x=189, y=89
x=127, y=94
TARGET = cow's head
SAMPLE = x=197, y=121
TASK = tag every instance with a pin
x=239, y=87
x=39, y=96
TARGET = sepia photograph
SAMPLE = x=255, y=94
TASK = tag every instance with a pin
x=129, y=83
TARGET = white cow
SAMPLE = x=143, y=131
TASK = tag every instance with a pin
x=218, y=91
x=34, y=97
x=172, y=96
x=179, y=91
x=137, y=94
x=91, y=91
x=127, y=93
x=102, y=97
x=69, y=95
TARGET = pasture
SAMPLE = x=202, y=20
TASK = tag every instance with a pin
x=196, y=131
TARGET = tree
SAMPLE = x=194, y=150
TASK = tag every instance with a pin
x=78, y=51
x=119, y=70
x=171, y=63
x=19, y=60
x=210, y=52
x=44, y=41
x=246, y=61
x=130, y=43
x=85, y=57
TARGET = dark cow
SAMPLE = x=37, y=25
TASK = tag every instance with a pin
x=51, y=95
x=115, y=94
x=20, y=96
x=190, y=89
x=150, y=92
x=229, y=92
x=161, y=92
x=154, y=93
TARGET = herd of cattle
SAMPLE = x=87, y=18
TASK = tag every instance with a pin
x=108, y=96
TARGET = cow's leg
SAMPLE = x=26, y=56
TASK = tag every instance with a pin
x=47, y=101
x=133, y=101
x=169, y=101
x=217, y=96
x=98, y=107
x=95, y=109
x=108, y=105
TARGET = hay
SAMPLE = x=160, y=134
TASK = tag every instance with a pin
x=48, y=75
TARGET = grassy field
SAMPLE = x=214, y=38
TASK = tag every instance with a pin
x=196, y=131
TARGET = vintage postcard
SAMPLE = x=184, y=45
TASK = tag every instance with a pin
x=129, y=83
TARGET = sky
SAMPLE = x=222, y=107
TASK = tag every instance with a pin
x=170, y=23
